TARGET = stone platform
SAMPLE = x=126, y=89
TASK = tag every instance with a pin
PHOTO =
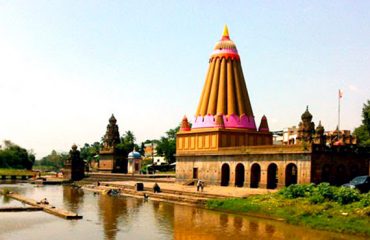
x=173, y=192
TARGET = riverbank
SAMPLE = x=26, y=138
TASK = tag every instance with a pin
x=111, y=217
x=327, y=214
x=320, y=207
x=173, y=192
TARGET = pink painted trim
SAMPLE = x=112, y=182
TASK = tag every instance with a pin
x=232, y=121
x=225, y=50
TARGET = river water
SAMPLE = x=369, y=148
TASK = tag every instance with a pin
x=117, y=217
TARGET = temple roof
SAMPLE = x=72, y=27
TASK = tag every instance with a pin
x=225, y=92
x=134, y=155
x=112, y=119
x=306, y=115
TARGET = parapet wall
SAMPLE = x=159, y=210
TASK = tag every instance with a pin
x=213, y=140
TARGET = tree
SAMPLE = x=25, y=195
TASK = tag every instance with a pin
x=363, y=132
x=129, y=138
x=127, y=143
x=54, y=160
x=166, y=146
x=14, y=156
x=366, y=116
x=89, y=152
x=142, y=149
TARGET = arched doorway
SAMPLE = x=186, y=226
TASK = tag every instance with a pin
x=225, y=174
x=272, y=177
x=239, y=175
x=291, y=174
x=255, y=175
x=325, y=173
x=341, y=175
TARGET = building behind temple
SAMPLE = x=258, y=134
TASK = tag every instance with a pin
x=225, y=147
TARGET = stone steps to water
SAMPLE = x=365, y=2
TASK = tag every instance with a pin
x=171, y=191
x=171, y=197
x=45, y=207
x=161, y=196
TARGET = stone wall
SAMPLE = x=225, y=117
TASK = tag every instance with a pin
x=338, y=164
x=258, y=166
x=107, y=161
x=209, y=167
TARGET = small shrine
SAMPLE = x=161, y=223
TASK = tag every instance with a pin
x=306, y=128
x=134, y=162
x=74, y=166
x=110, y=157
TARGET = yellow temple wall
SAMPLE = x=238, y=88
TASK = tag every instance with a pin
x=215, y=139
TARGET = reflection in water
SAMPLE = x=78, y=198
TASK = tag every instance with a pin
x=223, y=219
x=193, y=223
x=163, y=215
x=74, y=197
x=117, y=212
x=269, y=230
x=5, y=200
x=117, y=217
x=253, y=226
x=238, y=223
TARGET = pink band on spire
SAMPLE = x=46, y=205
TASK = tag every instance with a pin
x=232, y=121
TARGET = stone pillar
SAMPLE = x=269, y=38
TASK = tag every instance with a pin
x=263, y=180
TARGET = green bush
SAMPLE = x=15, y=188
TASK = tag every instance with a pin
x=297, y=190
x=365, y=200
x=345, y=195
x=316, y=198
x=323, y=191
x=326, y=191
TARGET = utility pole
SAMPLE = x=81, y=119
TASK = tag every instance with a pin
x=340, y=95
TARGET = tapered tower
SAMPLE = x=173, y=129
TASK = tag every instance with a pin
x=225, y=92
x=224, y=116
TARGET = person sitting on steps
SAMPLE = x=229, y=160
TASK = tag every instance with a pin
x=156, y=188
x=146, y=197
x=44, y=201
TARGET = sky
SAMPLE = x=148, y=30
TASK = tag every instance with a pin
x=67, y=66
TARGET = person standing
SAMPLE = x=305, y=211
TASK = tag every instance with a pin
x=199, y=183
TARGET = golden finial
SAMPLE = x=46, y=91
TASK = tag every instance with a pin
x=226, y=32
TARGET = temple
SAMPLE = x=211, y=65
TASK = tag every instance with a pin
x=224, y=146
x=224, y=117
x=110, y=158
x=74, y=166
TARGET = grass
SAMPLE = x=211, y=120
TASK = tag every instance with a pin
x=15, y=172
x=353, y=218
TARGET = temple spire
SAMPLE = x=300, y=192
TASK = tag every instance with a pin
x=225, y=92
x=225, y=34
